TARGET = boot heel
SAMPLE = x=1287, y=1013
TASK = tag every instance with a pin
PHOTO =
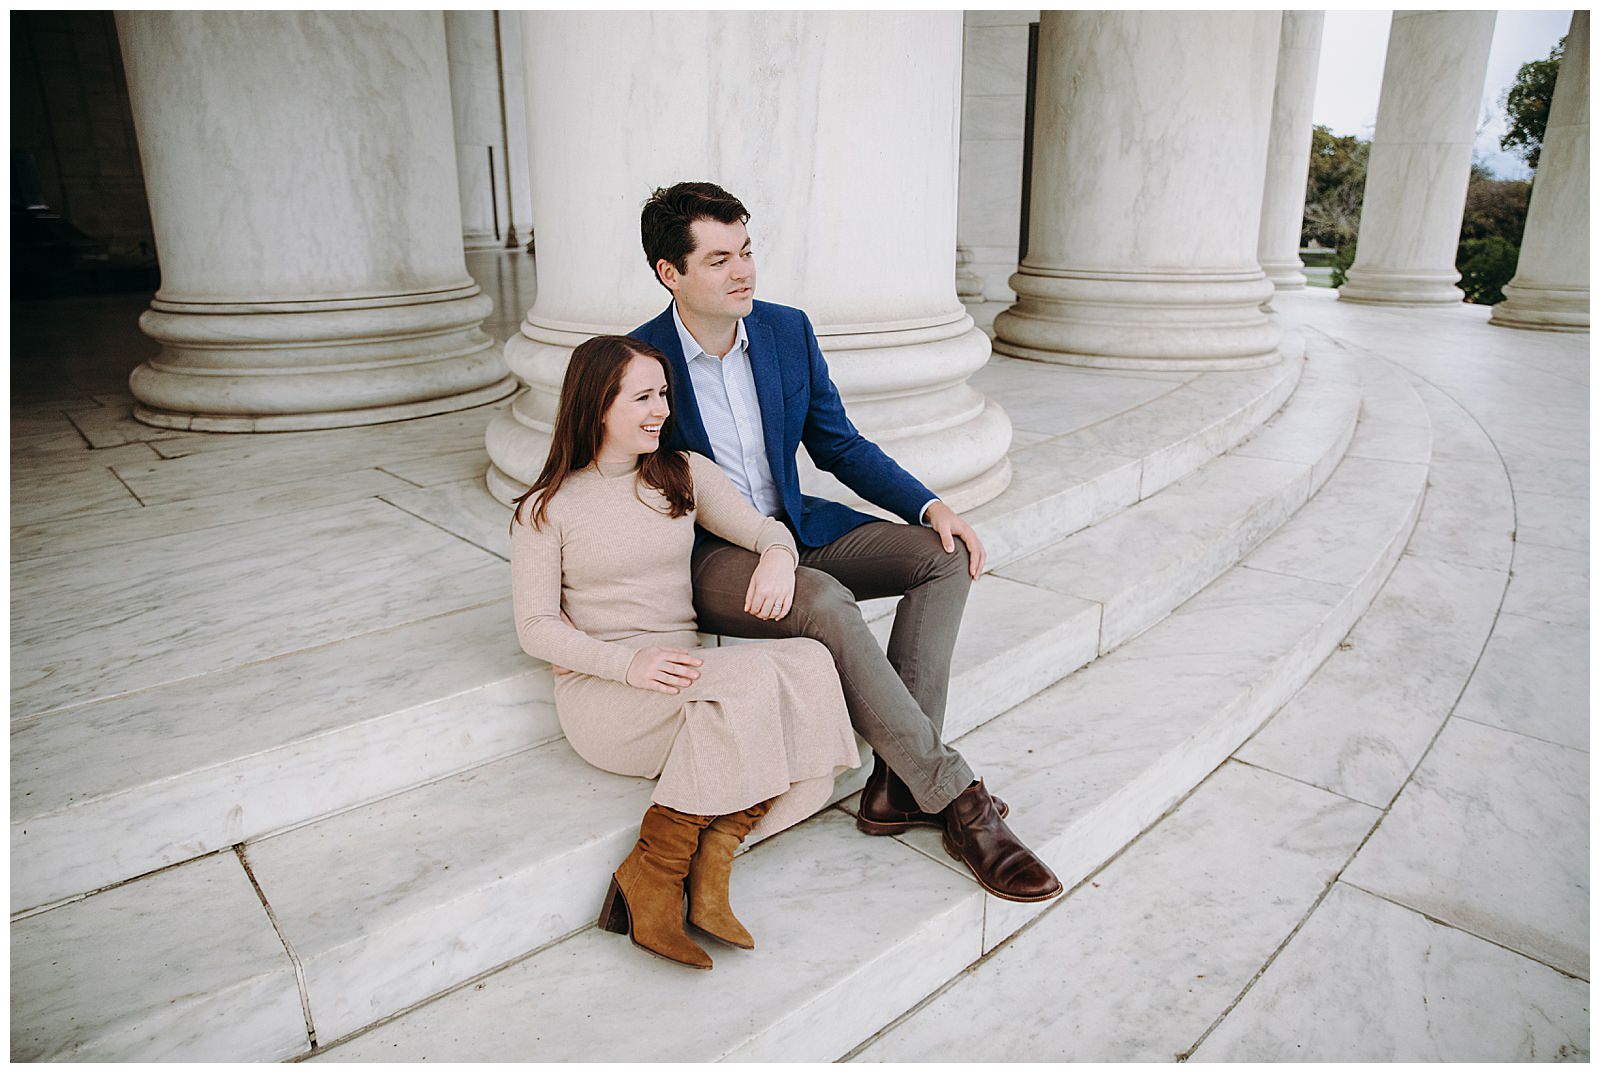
x=614, y=911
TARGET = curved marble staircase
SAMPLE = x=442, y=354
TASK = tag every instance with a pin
x=1163, y=580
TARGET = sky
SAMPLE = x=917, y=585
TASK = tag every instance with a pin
x=1351, y=74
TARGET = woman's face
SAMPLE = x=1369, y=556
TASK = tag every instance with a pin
x=632, y=423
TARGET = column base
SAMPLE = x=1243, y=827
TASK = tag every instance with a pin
x=905, y=390
x=1103, y=321
x=259, y=367
x=1547, y=308
x=1285, y=275
x=1378, y=287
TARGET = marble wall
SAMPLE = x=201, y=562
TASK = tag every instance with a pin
x=994, y=88
x=489, y=111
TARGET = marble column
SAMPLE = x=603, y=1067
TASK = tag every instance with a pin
x=1551, y=289
x=838, y=132
x=1421, y=159
x=303, y=193
x=485, y=84
x=1149, y=160
x=1283, y=202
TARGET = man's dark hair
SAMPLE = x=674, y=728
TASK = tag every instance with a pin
x=664, y=223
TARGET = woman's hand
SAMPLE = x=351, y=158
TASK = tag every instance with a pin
x=771, y=591
x=664, y=670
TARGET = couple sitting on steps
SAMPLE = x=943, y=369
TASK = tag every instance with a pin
x=670, y=503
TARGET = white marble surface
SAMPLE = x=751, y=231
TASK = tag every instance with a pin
x=1550, y=584
x=1551, y=287
x=1183, y=429
x=1371, y=981
x=1315, y=429
x=1289, y=147
x=1533, y=678
x=1147, y=559
x=71, y=534
x=1394, y=423
x=1055, y=490
x=105, y=791
x=1091, y=761
x=220, y=464
x=1364, y=720
x=1137, y=965
x=112, y=425
x=1366, y=503
x=1143, y=224
x=1554, y=521
x=181, y=967
x=359, y=306
x=90, y=627
x=1421, y=150
x=1487, y=837
x=862, y=931
x=1468, y=515
x=1042, y=398
x=462, y=507
x=53, y=484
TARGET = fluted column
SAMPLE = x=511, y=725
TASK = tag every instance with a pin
x=838, y=132
x=1283, y=202
x=485, y=85
x=1149, y=158
x=303, y=193
x=1421, y=159
x=1551, y=289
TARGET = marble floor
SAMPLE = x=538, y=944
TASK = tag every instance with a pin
x=1394, y=867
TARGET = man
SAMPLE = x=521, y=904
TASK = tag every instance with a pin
x=750, y=386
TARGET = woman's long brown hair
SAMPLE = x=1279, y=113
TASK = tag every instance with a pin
x=592, y=382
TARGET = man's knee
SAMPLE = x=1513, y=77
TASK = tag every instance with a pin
x=826, y=606
x=940, y=565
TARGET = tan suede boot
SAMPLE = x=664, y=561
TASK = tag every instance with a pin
x=645, y=900
x=710, y=871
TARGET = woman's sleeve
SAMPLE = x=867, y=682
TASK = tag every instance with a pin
x=536, y=604
x=720, y=508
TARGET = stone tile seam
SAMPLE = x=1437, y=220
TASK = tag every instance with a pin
x=81, y=434
x=33, y=717
x=72, y=899
x=1029, y=925
x=397, y=477
x=288, y=947
x=1465, y=931
x=1295, y=778
x=465, y=540
x=1377, y=823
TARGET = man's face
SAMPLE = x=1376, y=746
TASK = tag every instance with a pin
x=719, y=280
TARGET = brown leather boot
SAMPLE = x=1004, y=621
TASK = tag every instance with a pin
x=975, y=835
x=645, y=900
x=709, y=873
x=887, y=807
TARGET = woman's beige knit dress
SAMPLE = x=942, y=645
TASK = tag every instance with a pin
x=764, y=719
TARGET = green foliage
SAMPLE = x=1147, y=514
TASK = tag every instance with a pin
x=1527, y=105
x=1334, y=186
x=1495, y=208
x=1486, y=266
x=1341, y=264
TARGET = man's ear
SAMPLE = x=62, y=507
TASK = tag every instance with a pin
x=667, y=273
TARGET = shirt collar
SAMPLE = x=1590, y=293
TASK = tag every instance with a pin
x=691, y=346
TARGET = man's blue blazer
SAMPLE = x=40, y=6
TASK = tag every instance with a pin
x=799, y=405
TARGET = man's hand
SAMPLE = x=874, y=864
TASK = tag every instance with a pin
x=664, y=670
x=949, y=525
x=771, y=591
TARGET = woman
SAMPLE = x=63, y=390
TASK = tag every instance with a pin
x=600, y=549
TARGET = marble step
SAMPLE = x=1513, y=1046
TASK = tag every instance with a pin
x=214, y=760
x=852, y=931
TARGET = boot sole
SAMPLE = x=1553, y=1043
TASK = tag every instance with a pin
x=998, y=894
x=615, y=917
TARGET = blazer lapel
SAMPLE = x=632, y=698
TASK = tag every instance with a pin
x=686, y=411
x=769, y=392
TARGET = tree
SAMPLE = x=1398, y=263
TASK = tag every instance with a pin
x=1496, y=208
x=1334, y=186
x=1527, y=105
x=1486, y=266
